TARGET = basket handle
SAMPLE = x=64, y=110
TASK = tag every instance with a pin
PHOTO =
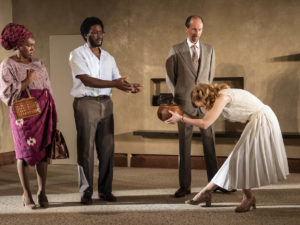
x=16, y=97
x=28, y=92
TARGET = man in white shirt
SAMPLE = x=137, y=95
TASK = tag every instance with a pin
x=189, y=63
x=95, y=73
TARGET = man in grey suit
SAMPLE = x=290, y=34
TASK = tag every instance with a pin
x=189, y=63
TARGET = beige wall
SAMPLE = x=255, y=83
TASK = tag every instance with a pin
x=246, y=36
x=60, y=47
x=6, y=142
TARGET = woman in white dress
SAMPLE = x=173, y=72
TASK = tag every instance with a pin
x=259, y=157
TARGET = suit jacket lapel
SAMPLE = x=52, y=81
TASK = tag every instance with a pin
x=186, y=55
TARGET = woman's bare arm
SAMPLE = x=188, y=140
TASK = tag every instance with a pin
x=210, y=117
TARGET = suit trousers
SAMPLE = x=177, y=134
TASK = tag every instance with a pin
x=95, y=125
x=185, y=138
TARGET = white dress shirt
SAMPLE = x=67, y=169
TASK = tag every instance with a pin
x=83, y=61
x=190, y=44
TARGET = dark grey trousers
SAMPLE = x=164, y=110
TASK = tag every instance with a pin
x=95, y=125
x=185, y=138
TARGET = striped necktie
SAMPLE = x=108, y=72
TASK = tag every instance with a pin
x=195, y=57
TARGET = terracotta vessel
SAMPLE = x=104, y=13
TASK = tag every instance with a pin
x=163, y=109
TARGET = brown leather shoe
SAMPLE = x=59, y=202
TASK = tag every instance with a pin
x=246, y=207
x=86, y=200
x=181, y=192
x=202, y=198
x=109, y=197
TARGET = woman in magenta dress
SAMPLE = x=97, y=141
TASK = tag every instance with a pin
x=32, y=136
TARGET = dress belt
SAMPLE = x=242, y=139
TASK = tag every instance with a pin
x=264, y=108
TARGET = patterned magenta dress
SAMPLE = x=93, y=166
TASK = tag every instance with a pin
x=32, y=136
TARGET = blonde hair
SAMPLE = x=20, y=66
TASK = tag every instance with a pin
x=207, y=93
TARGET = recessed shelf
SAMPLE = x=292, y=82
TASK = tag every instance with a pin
x=159, y=86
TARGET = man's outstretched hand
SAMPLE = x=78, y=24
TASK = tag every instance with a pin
x=122, y=84
x=135, y=87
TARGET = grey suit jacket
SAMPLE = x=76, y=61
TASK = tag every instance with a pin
x=182, y=76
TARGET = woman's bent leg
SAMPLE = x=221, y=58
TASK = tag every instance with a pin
x=208, y=189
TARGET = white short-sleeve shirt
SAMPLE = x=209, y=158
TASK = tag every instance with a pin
x=83, y=61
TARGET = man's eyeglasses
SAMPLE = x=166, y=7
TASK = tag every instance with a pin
x=94, y=32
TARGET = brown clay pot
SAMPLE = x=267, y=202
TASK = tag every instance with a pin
x=163, y=109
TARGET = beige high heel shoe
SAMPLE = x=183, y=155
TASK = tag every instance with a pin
x=247, y=207
x=205, y=198
x=28, y=206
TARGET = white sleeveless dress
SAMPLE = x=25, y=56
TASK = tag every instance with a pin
x=259, y=157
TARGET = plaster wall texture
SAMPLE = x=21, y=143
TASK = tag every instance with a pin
x=6, y=141
x=250, y=38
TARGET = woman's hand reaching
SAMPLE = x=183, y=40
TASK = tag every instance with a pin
x=175, y=118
